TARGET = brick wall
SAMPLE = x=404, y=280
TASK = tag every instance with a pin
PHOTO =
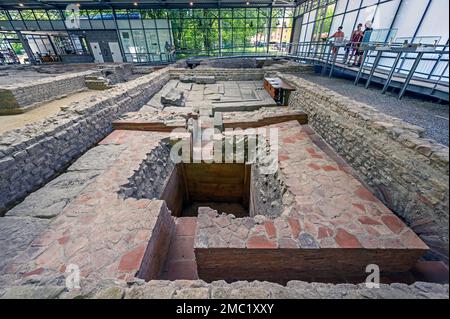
x=158, y=245
x=281, y=249
x=408, y=173
x=31, y=156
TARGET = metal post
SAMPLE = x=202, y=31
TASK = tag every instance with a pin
x=417, y=30
x=220, y=31
x=391, y=73
x=325, y=65
x=374, y=66
x=441, y=55
x=122, y=49
x=361, y=67
x=334, y=62
x=269, y=29
x=410, y=74
x=26, y=47
x=439, y=80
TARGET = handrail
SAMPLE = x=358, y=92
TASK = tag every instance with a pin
x=428, y=63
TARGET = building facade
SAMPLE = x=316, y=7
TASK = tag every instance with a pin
x=145, y=35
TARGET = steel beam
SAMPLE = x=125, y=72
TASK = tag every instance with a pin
x=410, y=74
x=391, y=73
x=325, y=65
x=361, y=67
x=334, y=62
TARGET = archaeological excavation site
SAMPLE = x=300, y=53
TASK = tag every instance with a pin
x=267, y=176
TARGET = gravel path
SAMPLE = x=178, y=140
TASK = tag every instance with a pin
x=431, y=116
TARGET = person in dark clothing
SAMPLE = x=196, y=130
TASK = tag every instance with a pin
x=355, y=41
x=367, y=33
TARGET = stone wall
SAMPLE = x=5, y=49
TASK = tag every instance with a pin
x=31, y=156
x=220, y=74
x=157, y=177
x=408, y=173
x=198, y=289
x=266, y=195
x=150, y=180
x=232, y=63
x=267, y=63
x=241, y=74
x=18, y=97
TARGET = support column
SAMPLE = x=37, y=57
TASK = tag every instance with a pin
x=27, y=47
x=269, y=30
x=220, y=32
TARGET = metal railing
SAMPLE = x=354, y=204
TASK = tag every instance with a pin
x=427, y=63
x=420, y=62
x=435, y=56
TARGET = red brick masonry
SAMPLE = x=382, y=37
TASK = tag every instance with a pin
x=335, y=227
x=106, y=236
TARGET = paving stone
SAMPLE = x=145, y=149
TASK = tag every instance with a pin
x=249, y=293
x=386, y=152
x=173, y=98
x=150, y=292
x=32, y=292
x=97, y=158
x=192, y=293
x=16, y=234
x=50, y=200
x=111, y=293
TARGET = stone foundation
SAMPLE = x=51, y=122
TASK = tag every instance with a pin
x=198, y=289
x=112, y=212
x=240, y=72
x=220, y=74
x=105, y=234
x=408, y=173
x=18, y=98
x=30, y=156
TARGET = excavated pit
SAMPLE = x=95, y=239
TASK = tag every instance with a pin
x=309, y=220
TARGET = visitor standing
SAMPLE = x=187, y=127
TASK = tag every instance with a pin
x=365, y=39
x=338, y=36
x=355, y=42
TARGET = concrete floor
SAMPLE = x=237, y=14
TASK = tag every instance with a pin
x=433, y=117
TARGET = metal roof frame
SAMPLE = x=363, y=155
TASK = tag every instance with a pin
x=146, y=4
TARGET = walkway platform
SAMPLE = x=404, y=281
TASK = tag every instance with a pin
x=417, y=85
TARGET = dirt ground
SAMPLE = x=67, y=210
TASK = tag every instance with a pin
x=11, y=122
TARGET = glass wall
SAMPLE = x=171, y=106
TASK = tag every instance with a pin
x=148, y=35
